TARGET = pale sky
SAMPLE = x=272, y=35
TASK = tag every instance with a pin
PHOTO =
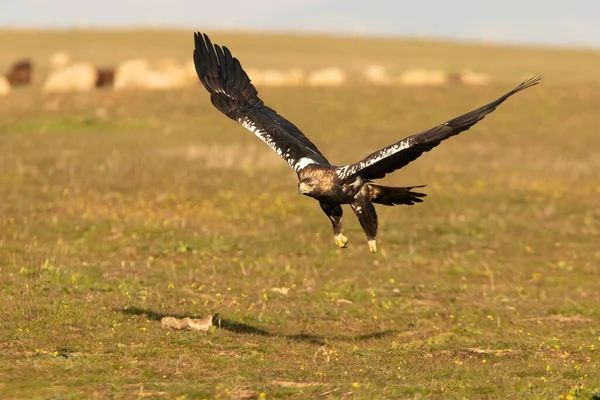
x=550, y=22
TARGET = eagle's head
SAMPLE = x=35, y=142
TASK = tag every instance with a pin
x=307, y=186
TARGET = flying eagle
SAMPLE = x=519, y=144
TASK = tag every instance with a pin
x=232, y=93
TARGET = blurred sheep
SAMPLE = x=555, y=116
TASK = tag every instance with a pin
x=171, y=73
x=131, y=74
x=423, y=77
x=59, y=60
x=105, y=77
x=276, y=78
x=4, y=86
x=166, y=73
x=20, y=73
x=327, y=77
x=78, y=77
x=189, y=72
x=468, y=77
x=377, y=75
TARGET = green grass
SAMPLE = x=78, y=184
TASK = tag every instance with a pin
x=119, y=208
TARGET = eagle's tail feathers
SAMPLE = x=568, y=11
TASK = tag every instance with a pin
x=391, y=196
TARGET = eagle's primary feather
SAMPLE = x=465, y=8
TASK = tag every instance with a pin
x=233, y=94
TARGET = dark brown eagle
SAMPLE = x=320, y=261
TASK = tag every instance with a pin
x=232, y=93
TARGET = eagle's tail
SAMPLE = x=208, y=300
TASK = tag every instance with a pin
x=391, y=196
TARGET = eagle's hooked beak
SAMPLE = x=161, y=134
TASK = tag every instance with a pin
x=303, y=188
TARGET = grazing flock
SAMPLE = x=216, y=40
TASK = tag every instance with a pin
x=168, y=73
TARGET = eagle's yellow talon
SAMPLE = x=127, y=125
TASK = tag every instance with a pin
x=341, y=241
x=372, y=246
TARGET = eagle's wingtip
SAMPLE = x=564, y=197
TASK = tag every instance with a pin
x=198, y=39
x=534, y=80
x=201, y=38
x=527, y=83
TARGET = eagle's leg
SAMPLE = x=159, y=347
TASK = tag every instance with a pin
x=335, y=214
x=367, y=216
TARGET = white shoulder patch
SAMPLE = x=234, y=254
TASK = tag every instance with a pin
x=302, y=163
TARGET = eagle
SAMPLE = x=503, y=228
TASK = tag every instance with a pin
x=233, y=94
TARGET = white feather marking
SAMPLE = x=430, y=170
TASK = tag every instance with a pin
x=248, y=125
x=357, y=182
x=348, y=170
x=303, y=162
x=266, y=137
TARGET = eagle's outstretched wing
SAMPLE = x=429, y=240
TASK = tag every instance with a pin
x=232, y=93
x=397, y=155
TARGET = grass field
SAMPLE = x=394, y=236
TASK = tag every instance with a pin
x=119, y=208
